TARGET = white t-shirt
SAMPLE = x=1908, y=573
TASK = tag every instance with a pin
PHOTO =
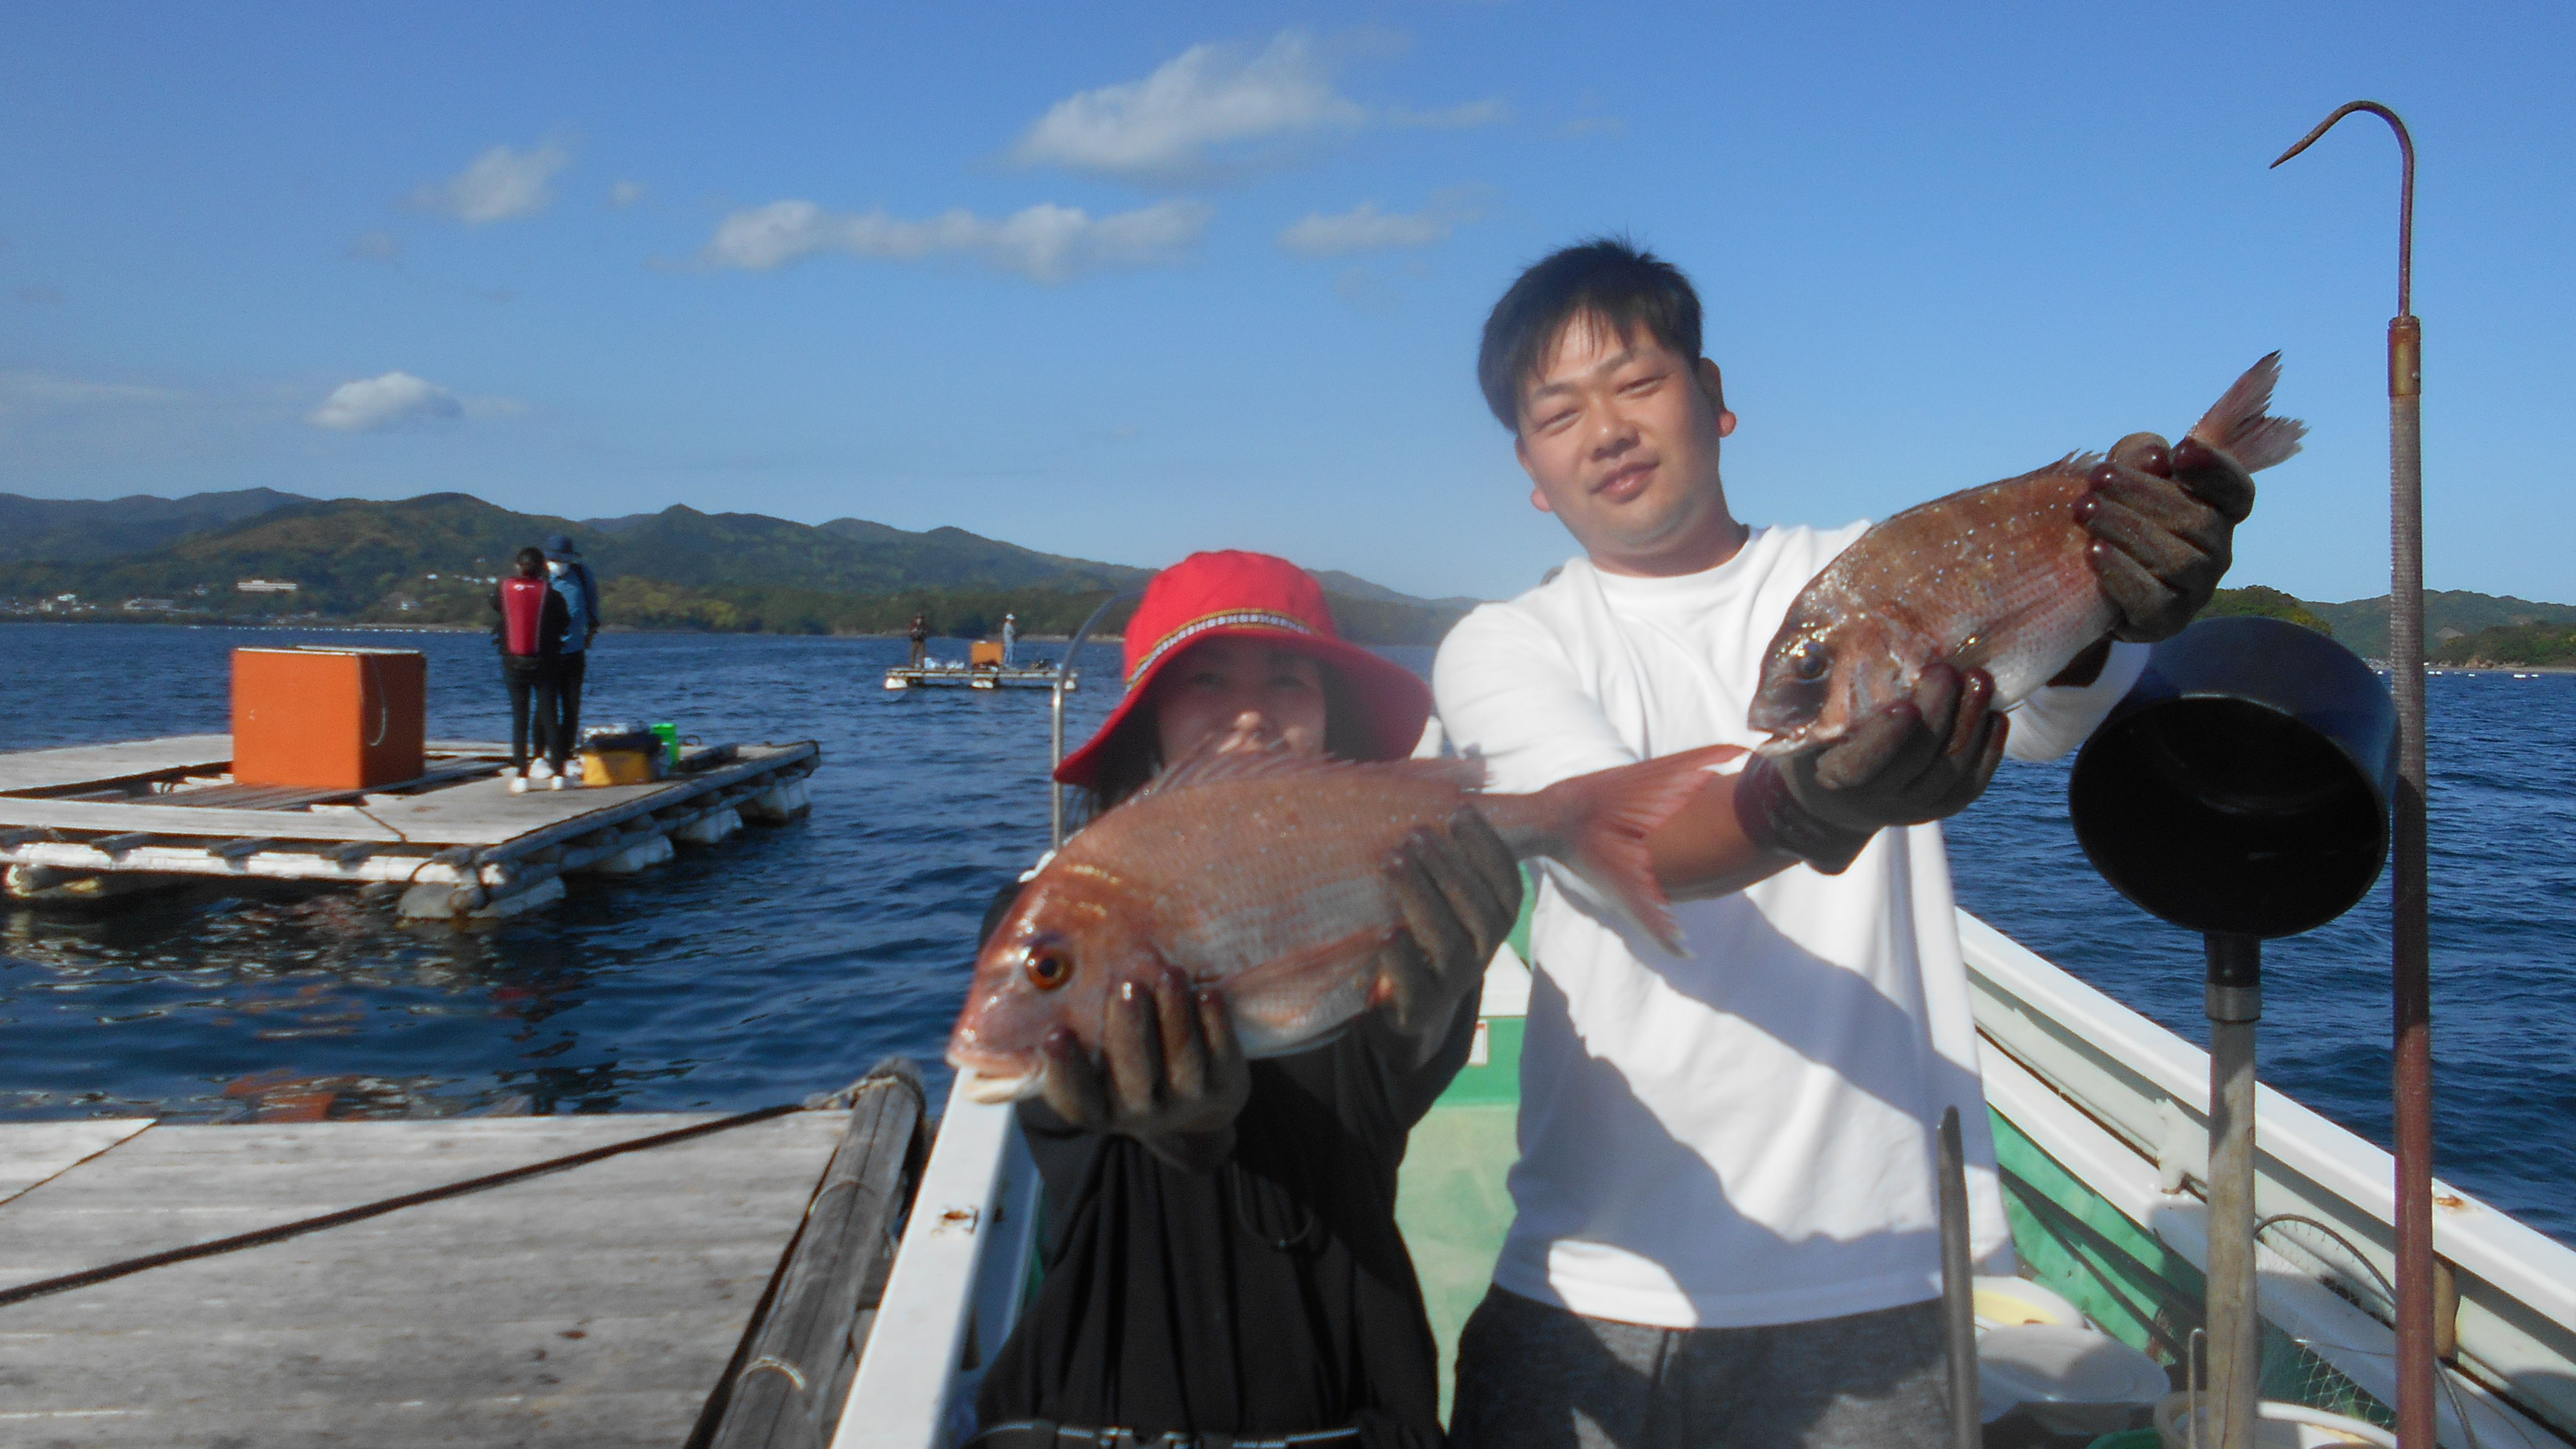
x=1743, y=1135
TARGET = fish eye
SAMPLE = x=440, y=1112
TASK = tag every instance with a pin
x=1049, y=970
x=1810, y=660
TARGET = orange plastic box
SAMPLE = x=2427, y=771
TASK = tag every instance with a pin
x=346, y=719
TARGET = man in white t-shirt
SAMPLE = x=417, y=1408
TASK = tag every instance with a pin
x=1726, y=1227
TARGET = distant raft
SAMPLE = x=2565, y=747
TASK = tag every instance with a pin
x=946, y=673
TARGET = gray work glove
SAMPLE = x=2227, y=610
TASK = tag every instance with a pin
x=1460, y=891
x=1927, y=757
x=2163, y=521
x=1170, y=1072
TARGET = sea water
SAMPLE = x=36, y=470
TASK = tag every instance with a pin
x=789, y=960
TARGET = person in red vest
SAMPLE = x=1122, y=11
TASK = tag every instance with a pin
x=530, y=635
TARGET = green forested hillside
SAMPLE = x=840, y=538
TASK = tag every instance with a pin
x=349, y=555
x=2265, y=603
x=431, y=559
x=2363, y=623
x=2511, y=644
x=80, y=529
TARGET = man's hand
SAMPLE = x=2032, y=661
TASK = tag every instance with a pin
x=2163, y=522
x=1170, y=1073
x=1460, y=891
x=1924, y=758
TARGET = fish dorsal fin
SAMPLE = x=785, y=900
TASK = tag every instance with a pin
x=1209, y=764
x=2077, y=463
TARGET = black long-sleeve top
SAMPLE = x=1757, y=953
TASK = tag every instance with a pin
x=1273, y=1295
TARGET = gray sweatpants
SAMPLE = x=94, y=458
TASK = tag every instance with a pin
x=1534, y=1376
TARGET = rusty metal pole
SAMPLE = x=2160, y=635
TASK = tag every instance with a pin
x=2411, y=924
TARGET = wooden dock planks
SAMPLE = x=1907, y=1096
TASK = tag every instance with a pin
x=81, y=764
x=476, y=812
x=598, y=1305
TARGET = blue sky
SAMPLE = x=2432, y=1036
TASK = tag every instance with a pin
x=1127, y=281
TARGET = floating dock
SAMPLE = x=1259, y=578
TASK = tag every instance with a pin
x=981, y=676
x=660, y=1279
x=95, y=821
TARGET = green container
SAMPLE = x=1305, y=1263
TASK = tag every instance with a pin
x=669, y=734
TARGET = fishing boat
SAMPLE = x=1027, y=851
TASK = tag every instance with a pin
x=2100, y=1120
x=2133, y=1189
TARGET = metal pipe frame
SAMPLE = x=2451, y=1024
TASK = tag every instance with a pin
x=1064, y=672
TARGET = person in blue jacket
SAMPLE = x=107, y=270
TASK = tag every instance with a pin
x=580, y=590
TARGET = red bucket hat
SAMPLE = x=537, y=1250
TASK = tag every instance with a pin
x=1253, y=595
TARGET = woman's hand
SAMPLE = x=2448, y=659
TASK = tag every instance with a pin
x=1170, y=1073
x=1460, y=891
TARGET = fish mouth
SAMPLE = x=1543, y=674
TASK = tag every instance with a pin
x=993, y=1089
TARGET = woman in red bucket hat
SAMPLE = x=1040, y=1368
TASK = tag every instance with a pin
x=1222, y=1257
x=1277, y=611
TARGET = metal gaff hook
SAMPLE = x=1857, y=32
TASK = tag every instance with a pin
x=2405, y=189
x=2419, y=1319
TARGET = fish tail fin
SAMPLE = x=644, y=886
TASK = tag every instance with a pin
x=1596, y=826
x=2240, y=427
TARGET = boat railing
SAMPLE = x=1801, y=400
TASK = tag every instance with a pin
x=968, y=1254
x=2124, y=1104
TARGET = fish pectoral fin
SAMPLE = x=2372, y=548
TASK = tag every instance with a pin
x=1276, y=993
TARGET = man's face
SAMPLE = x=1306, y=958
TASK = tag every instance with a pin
x=1619, y=435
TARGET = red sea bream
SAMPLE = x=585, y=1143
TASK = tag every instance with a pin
x=1990, y=578
x=1266, y=874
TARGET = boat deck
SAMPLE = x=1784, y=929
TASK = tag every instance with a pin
x=607, y=1303
x=74, y=821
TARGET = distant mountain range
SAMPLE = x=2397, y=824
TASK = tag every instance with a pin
x=2460, y=627
x=358, y=557
x=426, y=558
x=81, y=530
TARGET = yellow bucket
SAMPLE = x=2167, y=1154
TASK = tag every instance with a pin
x=616, y=767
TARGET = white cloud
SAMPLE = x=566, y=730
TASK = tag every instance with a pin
x=395, y=398
x=1208, y=97
x=502, y=183
x=626, y=193
x=1214, y=108
x=376, y=246
x=1365, y=228
x=1046, y=242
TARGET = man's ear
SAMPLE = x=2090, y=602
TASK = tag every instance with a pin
x=1712, y=385
x=1520, y=450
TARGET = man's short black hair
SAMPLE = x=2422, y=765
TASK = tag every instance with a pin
x=1609, y=276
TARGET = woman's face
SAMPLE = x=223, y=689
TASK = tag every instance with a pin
x=1242, y=685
